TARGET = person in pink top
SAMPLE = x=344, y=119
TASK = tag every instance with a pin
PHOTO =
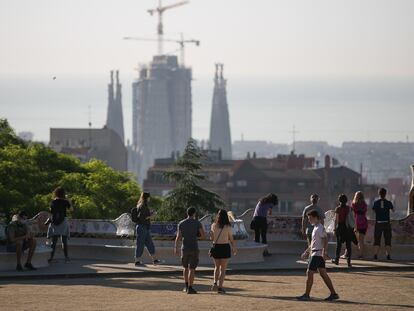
x=359, y=207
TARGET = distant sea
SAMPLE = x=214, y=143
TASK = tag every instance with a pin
x=261, y=108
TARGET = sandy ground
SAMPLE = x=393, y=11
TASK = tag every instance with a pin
x=271, y=291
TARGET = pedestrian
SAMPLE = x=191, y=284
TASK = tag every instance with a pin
x=382, y=209
x=189, y=231
x=359, y=207
x=58, y=223
x=259, y=222
x=318, y=251
x=307, y=227
x=141, y=216
x=223, y=245
x=344, y=229
x=19, y=239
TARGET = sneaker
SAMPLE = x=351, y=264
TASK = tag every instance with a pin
x=19, y=267
x=185, y=289
x=138, y=263
x=214, y=287
x=156, y=261
x=335, y=261
x=191, y=290
x=375, y=257
x=304, y=297
x=29, y=266
x=344, y=256
x=220, y=290
x=389, y=257
x=332, y=297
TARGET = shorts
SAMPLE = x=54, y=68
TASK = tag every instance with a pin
x=12, y=247
x=316, y=262
x=382, y=229
x=362, y=231
x=190, y=258
x=222, y=251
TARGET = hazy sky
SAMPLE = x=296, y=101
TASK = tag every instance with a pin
x=252, y=37
x=275, y=53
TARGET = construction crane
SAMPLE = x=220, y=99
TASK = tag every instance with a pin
x=160, y=28
x=180, y=42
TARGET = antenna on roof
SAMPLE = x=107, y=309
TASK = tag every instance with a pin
x=294, y=132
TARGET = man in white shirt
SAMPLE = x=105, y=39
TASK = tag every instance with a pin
x=318, y=253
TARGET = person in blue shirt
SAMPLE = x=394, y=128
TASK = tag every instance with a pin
x=382, y=208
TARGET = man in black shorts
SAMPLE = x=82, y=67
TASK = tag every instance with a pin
x=382, y=209
x=318, y=253
x=189, y=230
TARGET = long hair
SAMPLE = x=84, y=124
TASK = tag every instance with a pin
x=143, y=199
x=222, y=219
x=270, y=198
x=59, y=193
x=358, y=197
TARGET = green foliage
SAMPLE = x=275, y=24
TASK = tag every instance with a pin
x=30, y=172
x=188, y=192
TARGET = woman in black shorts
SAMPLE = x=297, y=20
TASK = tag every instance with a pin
x=222, y=237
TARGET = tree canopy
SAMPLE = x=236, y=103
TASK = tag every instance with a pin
x=29, y=172
x=188, y=192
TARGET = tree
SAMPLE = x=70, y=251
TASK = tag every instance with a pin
x=29, y=172
x=188, y=192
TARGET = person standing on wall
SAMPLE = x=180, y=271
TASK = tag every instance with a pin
x=382, y=209
x=59, y=224
x=259, y=222
x=141, y=215
x=189, y=231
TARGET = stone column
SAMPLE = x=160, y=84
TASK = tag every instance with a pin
x=411, y=194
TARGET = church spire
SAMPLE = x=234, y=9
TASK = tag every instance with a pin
x=115, y=120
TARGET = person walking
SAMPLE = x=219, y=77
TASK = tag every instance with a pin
x=189, y=231
x=223, y=245
x=307, y=227
x=359, y=207
x=259, y=222
x=318, y=251
x=344, y=229
x=141, y=216
x=58, y=223
x=382, y=208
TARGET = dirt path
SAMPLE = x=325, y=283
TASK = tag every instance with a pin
x=358, y=291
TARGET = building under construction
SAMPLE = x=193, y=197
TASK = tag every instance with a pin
x=161, y=103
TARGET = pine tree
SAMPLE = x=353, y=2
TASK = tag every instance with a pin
x=188, y=193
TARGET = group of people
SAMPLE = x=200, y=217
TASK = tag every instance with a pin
x=350, y=225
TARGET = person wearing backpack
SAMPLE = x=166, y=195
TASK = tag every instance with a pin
x=58, y=223
x=141, y=216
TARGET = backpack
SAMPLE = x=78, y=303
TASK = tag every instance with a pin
x=134, y=215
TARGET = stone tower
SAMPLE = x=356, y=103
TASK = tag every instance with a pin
x=220, y=137
x=115, y=119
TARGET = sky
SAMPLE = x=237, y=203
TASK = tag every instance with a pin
x=264, y=44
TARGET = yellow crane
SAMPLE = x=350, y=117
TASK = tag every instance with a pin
x=160, y=28
x=180, y=42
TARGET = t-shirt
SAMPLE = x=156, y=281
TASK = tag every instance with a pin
x=224, y=236
x=16, y=229
x=382, y=209
x=58, y=209
x=342, y=212
x=360, y=213
x=307, y=209
x=262, y=209
x=190, y=231
x=317, y=243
